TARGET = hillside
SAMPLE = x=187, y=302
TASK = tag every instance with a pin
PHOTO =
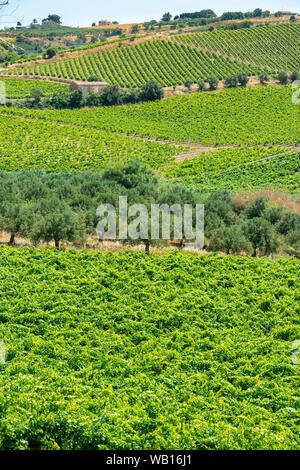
x=178, y=57
x=240, y=147
x=165, y=61
x=271, y=47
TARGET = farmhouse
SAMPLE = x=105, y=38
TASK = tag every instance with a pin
x=104, y=23
x=87, y=87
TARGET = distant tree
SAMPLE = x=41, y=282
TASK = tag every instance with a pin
x=231, y=81
x=92, y=99
x=54, y=220
x=274, y=214
x=292, y=18
x=213, y=83
x=94, y=78
x=201, y=85
x=59, y=100
x=289, y=222
x=75, y=99
x=257, y=13
x=283, y=77
x=135, y=29
x=295, y=76
x=166, y=17
x=256, y=208
x=188, y=84
x=243, y=79
x=263, y=78
x=93, y=24
x=55, y=18
x=151, y=91
x=230, y=239
x=50, y=52
x=111, y=95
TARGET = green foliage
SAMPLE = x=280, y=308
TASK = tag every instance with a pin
x=213, y=82
x=280, y=172
x=271, y=47
x=232, y=117
x=17, y=88
x=163, y=61
x=31, y=143
x=283, y=77
x=123, y=351
x=151, y=91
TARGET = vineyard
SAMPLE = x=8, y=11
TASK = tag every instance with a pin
x=16, y=88
x=29, y=143
x=261, y=115
x=280, y=172
x=272, y=48
x=168, y=62
x=121, y=351
x=248, y=138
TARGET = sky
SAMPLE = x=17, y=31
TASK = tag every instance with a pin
x=84, y=12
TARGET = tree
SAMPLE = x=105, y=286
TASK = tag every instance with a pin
x=59, y=100
x=166, y=17
x=50, y=52
x=257, y=13
x=256, y=208
x=111, y=95
x=290, y=222
x=135, y=29
x=54, y=18
x=54, y=220
x=188, y=84
x=243, y=79
x=201, y=85
x=75, y=99
x=231, y=81
x=213, y=83
x=261, y=235
x=283, y=78
x=263, y=78
x=36, y=94
x=230, y=239
x=151, y=91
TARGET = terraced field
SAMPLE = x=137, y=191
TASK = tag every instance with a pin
x=168, y=62
x=273, y=47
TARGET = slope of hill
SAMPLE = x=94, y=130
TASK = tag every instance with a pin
x=260, y=115
x=271, y=47
x=165, y=61
x=123, y=351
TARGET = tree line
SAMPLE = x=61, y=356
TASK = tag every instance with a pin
x=111, y=95
x=61, y=207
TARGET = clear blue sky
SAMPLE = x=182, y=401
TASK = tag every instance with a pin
x=83, y=13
